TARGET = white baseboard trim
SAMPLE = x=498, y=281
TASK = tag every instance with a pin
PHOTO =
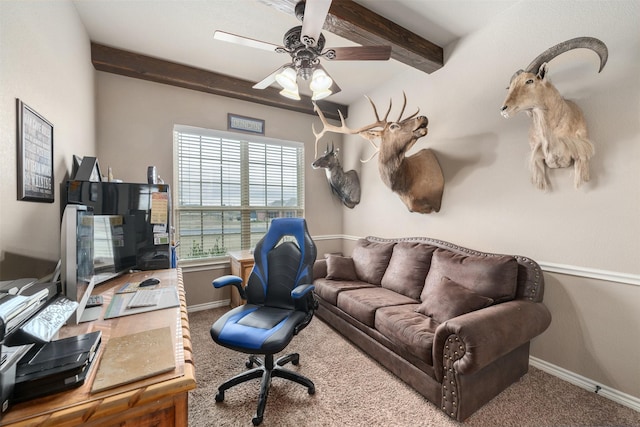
x=586, y=383
x=209, y=305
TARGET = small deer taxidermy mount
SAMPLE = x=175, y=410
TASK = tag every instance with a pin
x=558, y=135
x=345, y=185
x=416, y=179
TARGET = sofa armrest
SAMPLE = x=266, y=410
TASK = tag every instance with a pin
x=483, y=336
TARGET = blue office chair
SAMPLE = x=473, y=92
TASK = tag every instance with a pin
x=280, y=303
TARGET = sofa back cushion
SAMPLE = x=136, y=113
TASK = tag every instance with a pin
x=494, y=277
x=407, y=270
x=371, y=259
x=446, y=299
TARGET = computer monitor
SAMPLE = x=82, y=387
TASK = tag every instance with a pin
x=144, y=213
x=77, y=253
x=114, y=251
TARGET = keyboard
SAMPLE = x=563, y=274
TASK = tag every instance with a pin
x=146, y=298
x=44, y=325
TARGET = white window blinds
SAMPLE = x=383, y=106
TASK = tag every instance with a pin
x=229, y=187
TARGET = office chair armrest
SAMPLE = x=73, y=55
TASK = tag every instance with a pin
x=227, y=280
x=301, y=290
x=304, y=300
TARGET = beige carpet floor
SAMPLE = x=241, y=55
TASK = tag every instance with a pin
x=353, y=390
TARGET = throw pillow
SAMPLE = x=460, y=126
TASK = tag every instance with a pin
x=447, y=299
x=407, y=270
x=371, y=260
x=340, y=268
x=494, y=276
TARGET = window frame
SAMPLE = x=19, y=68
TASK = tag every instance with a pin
x=245, y=207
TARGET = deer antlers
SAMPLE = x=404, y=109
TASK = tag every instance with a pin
x=362, y=131
x=343, y=128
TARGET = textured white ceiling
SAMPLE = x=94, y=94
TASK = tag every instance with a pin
x=182, y=31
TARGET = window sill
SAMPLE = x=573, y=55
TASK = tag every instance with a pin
x=203, y=264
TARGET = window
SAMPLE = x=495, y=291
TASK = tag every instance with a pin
x=230, y=186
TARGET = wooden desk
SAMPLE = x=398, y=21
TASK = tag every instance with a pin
x=241, y=266
x=159, y=400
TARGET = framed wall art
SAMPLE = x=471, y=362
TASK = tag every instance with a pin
x=35, y=155
x=245, y=124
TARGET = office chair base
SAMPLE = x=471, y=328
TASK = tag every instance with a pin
x=266, y=369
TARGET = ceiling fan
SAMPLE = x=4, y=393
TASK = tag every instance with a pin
x=305, y=44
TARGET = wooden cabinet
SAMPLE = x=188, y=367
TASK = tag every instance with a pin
x=241, y=266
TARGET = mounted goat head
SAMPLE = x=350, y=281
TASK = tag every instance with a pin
x=417, y=179
x=558, y=136
x=346, y=185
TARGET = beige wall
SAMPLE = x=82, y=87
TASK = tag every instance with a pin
x=488, y=200
x=489, y=203
x=45, y=62
x=590, y=334
x=135, y=129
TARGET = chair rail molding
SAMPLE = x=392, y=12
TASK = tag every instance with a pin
x=592, y=273
x=571, y=270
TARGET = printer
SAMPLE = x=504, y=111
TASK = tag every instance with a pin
x=32, y=363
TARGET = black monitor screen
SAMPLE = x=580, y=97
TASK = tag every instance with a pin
x=113, y=249
x=131, y=231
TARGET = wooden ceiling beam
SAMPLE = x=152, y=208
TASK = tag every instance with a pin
x=354, y=22
x=130, y=64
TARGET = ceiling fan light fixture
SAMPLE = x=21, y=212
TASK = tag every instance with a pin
x=320, y=81
x=320, y=94
x=291, y=94
x=287, y=79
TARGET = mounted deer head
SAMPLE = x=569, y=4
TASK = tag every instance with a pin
x=345, y=185
x=417, y=179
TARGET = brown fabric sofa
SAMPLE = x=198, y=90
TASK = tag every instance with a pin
x=453, y=323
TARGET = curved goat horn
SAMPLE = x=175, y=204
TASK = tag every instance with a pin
x=579, y=42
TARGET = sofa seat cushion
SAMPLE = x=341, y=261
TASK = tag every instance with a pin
x=494, y=277
x=361, y=304
x=371, y=259
x=410, y=262
x=411, y=331
x=328, y=289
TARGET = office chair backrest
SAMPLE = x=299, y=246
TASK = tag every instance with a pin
x=281, y=266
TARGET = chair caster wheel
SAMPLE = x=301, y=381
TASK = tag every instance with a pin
x=220, y=396
x=256, y=421
x=248, y=364
x=312, y=390
x=296, y=360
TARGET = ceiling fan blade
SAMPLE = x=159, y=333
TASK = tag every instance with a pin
x=269, y=80
x=358, y=53
x=315, y=13
x=334, y=88
x=244, y=41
